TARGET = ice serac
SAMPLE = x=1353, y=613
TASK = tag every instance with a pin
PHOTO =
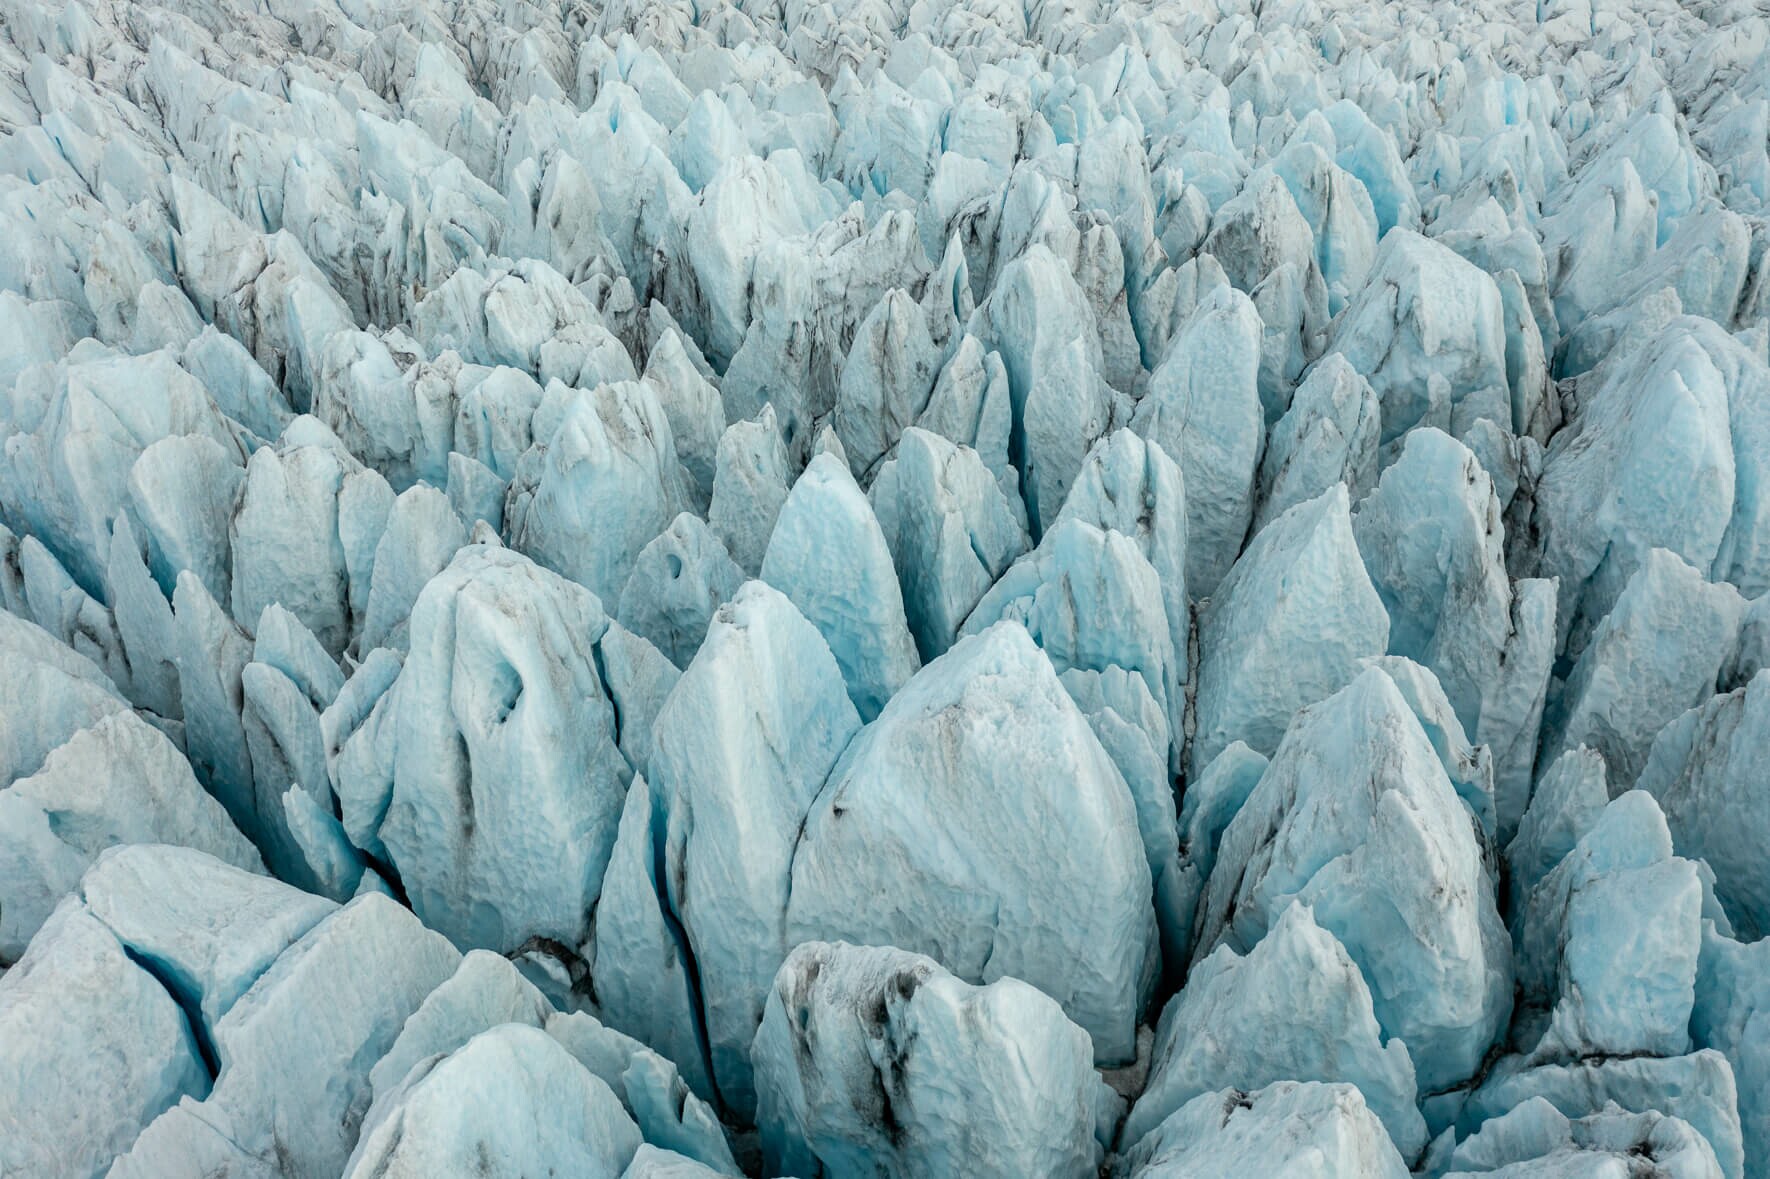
x=747, y=204
x=1327, y=436
x=1295, y=1008
x=853, y=599
x=1538, y=1139
x=182, y=493
x=1040, y=322
x=1646, y=463
x=886, y=380
x=950, y=528
x=971, y=404
x=1704, y=769
x=119, y=782
x=296, y=1048
x=423, y=534
x=1132, y=486
x=691, y=404
x=1569, y=796
x=1656, y=654
x=1608, y=940
x=86, y=1030
x=1037, y=871
x=485, y=992
x=488, y=774
x=73, y=432
x=878, y=1060
x=1732, y=1001
x=53, y=693
x=1428, y=332
x=1093, y=604
x=1286, y=628
x=207, y=929
x=651, y=1090
x=213, y=652
x=1304, y=1129
x=651, y=1162
x=679, y=579
x=1433, y=544
x=287, y=684
x=641, y=971
x=1698, y=1089
x=1211, y=799
x=526, y=315
x=510, y=1102
x=743, y=745
x=289, y=543
x=1356, y=817
x=1203, y=409
x=587, y=500
x=749, y=486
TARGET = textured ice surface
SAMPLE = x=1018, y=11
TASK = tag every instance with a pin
x=872, y=1058
x=1310, y=1130
x=980, y=821
x=870, y=587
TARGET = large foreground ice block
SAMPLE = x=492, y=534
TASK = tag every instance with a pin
x=1536, y=1139
x=1298, y=1130
x=1698, y=1089
x=1286, y=628
x=119, y=782
x=1356, y=817
x=979, y=821
x=207, y=930
x=512, y=1102
x=295, y=1050
x=1295, y=1008
x=876, y=1060
x=490, y=773
x=743, y=746
x=95, y=1050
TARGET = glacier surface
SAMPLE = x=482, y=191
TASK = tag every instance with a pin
x=910, y=588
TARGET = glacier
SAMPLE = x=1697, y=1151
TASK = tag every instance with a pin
x=657, y=589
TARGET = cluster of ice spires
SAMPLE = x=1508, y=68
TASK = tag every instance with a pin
x=665, y=588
